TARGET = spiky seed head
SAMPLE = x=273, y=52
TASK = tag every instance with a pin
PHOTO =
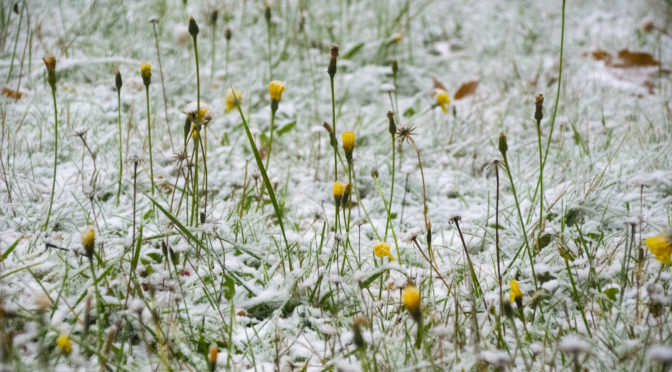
x=405, y=133
x=193, y=27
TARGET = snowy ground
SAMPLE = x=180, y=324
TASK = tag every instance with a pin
x=608, y=174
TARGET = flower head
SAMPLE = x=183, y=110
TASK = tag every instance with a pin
x=50, y=63
x=276, y=88
x=146, y=73
x=661, y=247
x=516, y=293
x=212, y=354
x=338, y=190
x=88, y=238
x=382, y=250
x=234, y=97
x=411, y=297
x=64, y=343
x=204, y=115
x=442, y=99
x=348, y=144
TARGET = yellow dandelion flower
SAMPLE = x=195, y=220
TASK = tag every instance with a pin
x=516, y=293
x=212, y=354
x=411, y=297
x=64, y=343
x=231, y=96
x=276, y=88
x=338, y=189
x=661, y=247
x=442, y=99
x=146, y=73
x=382, y=250
x=88, y=237
x=348, y=141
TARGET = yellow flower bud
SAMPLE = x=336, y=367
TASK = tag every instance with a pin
x=64, y=343
x=146, y=73
x=661, y=246
x=382, y=250
x=276, y=88
x=442, y=99
x=88, y=238
x=348, y=142
x=411, y=297
x=233, y=95
x=338, y=190
x=212, y=354
x=516, y=293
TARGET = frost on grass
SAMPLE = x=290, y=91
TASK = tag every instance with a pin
x=174, y=271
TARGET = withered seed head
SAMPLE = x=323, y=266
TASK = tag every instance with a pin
x=405, y=133
x=193, y=27
x=227, y=33
x=539, y=105
x=50, y=63
x=393, y=126
x=117, y=80
x=267, y=13
x=332, y=63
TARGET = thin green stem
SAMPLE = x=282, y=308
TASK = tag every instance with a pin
x=389, y=210
x=270, y=142
x=121, y=160
x=267, y=182
x=149, y=134
x=520, y=216
x=333, y=122
x=53, y=181
x=577, y=298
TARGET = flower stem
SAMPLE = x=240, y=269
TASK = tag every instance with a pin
x=333, y=122
x=149, y=134
x=121, y=160
x=53, y=181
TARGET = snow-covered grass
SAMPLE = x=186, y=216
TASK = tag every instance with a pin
x=169, y=285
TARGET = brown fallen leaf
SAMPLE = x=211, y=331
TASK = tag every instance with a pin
x=11, y=93
x=438, y=85
x=466, y=89
x=628, y=59
x=601, y=55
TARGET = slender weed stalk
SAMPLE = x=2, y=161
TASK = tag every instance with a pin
x=214, y=15
x=503, y=147
x=275, y=88
x=392, y=129
x=146, y=72
x=331, y=70
x=154, y=21
x=193, y=31
x=51, y=78
x=118, y=84
x=538, y=115
x=267, y=16
x=267, y=182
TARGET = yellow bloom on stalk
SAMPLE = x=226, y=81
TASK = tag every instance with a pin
x=411, y=297
x=442, y=99
x=338, y=189
x=212, y=354
x=88, y=238
x=64, y=344
x=348, y=141
x=661, y=246
x=204, y=115
x=516, y=293
x=382, y=250
x=146, y=73
x=231, y=96
x=276, y=88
